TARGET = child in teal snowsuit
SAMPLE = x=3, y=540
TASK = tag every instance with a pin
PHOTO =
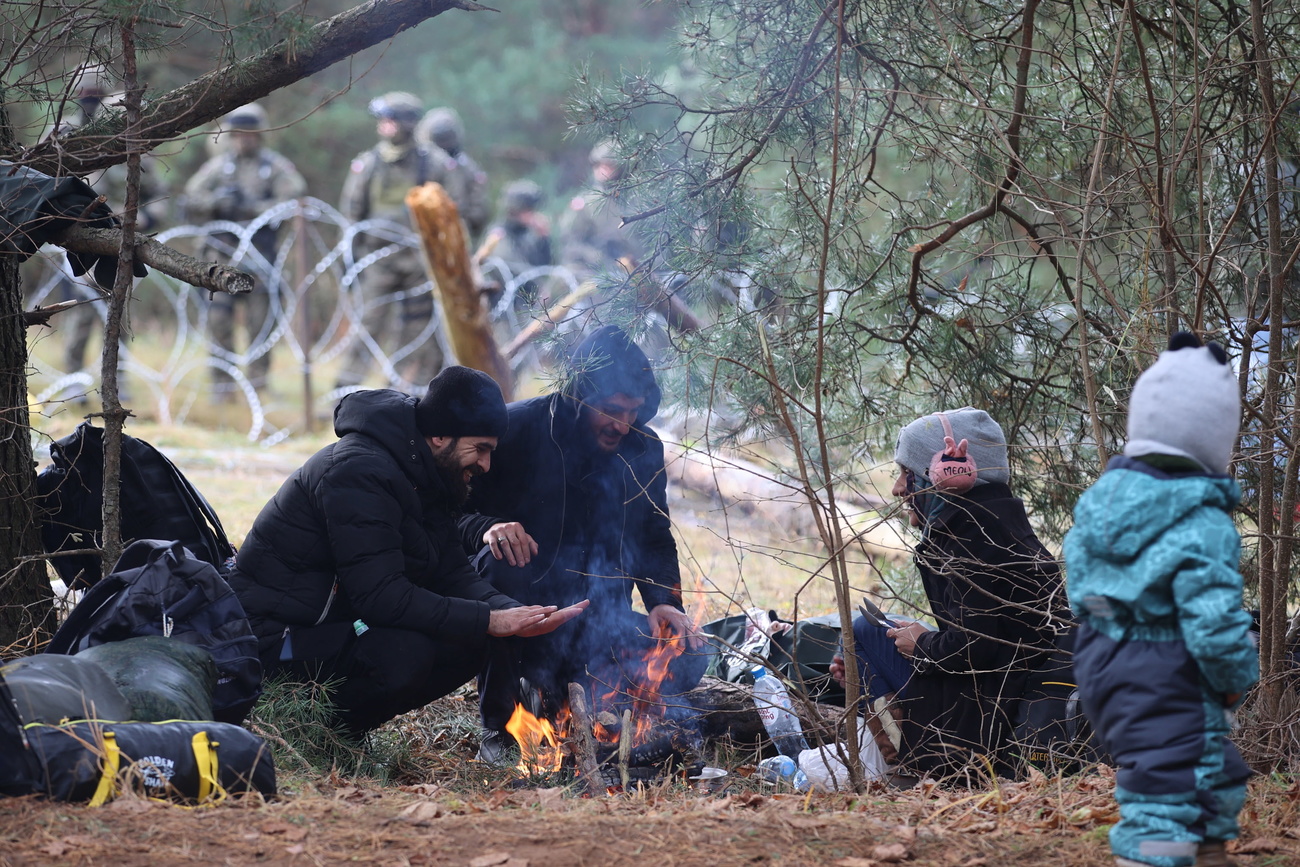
x=1163, y=651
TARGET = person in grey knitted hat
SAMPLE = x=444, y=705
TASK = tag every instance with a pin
x=1163, y=653
x=989, y=584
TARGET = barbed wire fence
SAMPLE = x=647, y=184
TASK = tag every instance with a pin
x=318, y=308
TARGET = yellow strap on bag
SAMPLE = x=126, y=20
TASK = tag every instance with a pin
x=108, y=772
x=205, y=757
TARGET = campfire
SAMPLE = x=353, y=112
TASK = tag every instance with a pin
x=540, y=751
x=632, y=736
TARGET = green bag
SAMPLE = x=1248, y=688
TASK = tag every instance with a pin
x=162, y=678
x=801, y=654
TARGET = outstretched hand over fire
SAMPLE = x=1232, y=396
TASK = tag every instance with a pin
x=530, y=620
x=667, y=621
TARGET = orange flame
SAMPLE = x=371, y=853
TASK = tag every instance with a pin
x=539, y=743
x=644, y=690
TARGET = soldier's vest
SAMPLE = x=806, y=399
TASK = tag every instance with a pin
x=390, y=182
x=257, y=190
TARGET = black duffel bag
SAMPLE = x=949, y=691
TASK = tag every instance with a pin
x=189, y=762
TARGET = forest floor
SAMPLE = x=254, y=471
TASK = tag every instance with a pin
x=429, y=803
x=334, y=820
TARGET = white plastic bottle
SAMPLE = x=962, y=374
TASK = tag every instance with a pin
x=774, y=709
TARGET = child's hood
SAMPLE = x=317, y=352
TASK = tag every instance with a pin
x=1129, y=508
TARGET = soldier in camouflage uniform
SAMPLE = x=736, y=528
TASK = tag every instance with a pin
x=466, y=183
x=376, y=187
x=594, y=238
x=90, y=91
x=239, y=184
x=523, y=239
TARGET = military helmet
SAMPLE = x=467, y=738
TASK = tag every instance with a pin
x=442, y=127
x=399, y=106
x=246, y=117
x=520, y=196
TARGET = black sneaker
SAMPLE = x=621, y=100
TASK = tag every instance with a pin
x=498, y=749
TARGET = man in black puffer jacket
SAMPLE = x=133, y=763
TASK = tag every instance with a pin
x=354, y=570
x=578, y=509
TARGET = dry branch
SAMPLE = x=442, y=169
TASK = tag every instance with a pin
x=446, y=256
x=204, y=275
x=554, y=315
x=584, y=745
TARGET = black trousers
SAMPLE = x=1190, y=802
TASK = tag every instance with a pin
x=381, y=673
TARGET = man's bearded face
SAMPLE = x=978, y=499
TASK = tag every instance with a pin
x=610, y=418
x=459, y=460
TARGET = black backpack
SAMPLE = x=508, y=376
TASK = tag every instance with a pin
x=159, y=588
x=1051, y=731
x=157, y=502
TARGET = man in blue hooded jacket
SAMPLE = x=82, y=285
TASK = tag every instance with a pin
x=1163, y=651
x=577, y=509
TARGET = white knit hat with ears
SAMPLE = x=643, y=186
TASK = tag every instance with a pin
x=1186, y=404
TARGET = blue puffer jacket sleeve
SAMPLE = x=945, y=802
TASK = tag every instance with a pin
x=1207, y=594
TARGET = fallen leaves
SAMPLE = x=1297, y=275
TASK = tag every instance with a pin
x=890, y=853
x=288, y=832
x=422, y=812
x=357, y=794
x=498, y=859
x=1259, y=845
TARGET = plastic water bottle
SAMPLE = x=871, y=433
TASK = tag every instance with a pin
x=783, y=769
x=774, y=709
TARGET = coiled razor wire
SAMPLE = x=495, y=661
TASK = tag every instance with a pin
x=317, y=308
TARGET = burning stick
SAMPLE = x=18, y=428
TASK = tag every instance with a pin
x=584, y=747
x=625, y=746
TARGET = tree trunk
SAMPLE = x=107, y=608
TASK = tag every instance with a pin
x=446, y=256
x=25, y=610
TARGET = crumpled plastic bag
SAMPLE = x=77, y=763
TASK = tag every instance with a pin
x=49, y=689
x=828, y=772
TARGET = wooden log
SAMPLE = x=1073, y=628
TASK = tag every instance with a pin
x=727, y=710
x=624, y=746
x=446, y=256
x=584, y=742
